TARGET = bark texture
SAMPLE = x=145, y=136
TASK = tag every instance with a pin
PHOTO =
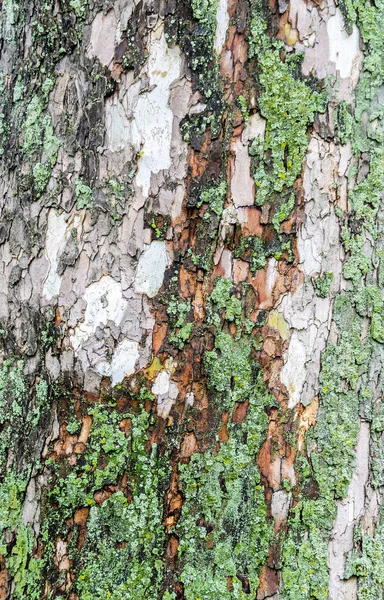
x=191, y=306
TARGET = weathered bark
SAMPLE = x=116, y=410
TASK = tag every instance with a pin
x=191, y=300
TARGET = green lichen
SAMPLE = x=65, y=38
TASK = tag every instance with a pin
x=223, y=297
x=251, y=249
x=283, y=212
x=205, y=12
x=223, y=529
x=243, y=107
x=79, y=7
x=231, y=371
x=178, y=311
x=84, y=195
x=22, y=566
x=368, y=564
x=38, y=139
x=344, y=122
x=20, y=408
x=214, y=197
x=322, y=284
x=332, y=450
x=288, y=104
x=123, y=554
x=344, y=394
x=229, y=368
x=195, y=34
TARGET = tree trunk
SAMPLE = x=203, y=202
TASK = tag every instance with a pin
x=191, y=307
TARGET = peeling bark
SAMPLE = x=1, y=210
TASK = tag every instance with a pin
x=191, y=307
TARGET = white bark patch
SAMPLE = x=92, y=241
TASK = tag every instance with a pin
x=293, y=372
x=166, y=392
x=272, y=274
x=222, y=22
x=54, y=246
x=151, y=268
x=255, y=128
x=117, y=125
x=343, y=48
x=320, y=252
x=153, y=115
x=349, y=511
x=161, y=385
x=280, y=507
x=123, y=362
x=105, y=303
x=103, y=33
x=242, y=184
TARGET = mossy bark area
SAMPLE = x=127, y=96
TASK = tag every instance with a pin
x=191, y=307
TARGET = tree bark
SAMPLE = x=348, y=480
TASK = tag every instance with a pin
x=191, y=306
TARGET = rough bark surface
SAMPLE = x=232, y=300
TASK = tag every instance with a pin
x=191, y=306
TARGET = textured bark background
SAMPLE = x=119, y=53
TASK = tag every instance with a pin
x=191, y=307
